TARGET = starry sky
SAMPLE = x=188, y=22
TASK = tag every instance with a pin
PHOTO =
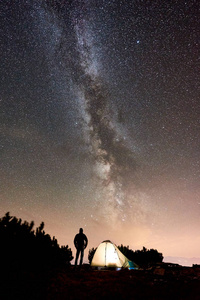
x=100, y=120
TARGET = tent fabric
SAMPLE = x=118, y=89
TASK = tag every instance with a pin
x=108, y=255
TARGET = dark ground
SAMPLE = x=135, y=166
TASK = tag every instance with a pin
x=86, y=283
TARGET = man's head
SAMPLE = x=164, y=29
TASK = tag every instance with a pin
x=81, y=230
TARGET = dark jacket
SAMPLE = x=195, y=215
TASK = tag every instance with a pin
x=80, y=241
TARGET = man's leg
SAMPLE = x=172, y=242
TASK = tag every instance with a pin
x=77, y=255
x=81, y=260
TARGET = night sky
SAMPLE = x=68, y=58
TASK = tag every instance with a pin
x=100, y=120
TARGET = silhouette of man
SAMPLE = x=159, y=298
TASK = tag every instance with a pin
x=80, y=242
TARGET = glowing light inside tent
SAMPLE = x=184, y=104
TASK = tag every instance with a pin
x=112, y=258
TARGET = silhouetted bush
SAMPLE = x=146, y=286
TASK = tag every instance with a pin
x=24, y=248
x=91, y=254
x=144, y=258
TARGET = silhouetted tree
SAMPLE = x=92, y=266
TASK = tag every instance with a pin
x=91, y=254
x=144, y=258
x=22, y=247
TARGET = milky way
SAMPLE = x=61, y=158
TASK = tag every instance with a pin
x=111, y=157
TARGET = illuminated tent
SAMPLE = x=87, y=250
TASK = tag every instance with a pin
x=108, y=255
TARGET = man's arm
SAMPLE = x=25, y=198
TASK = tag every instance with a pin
x=86, y=241
x=75, y=241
